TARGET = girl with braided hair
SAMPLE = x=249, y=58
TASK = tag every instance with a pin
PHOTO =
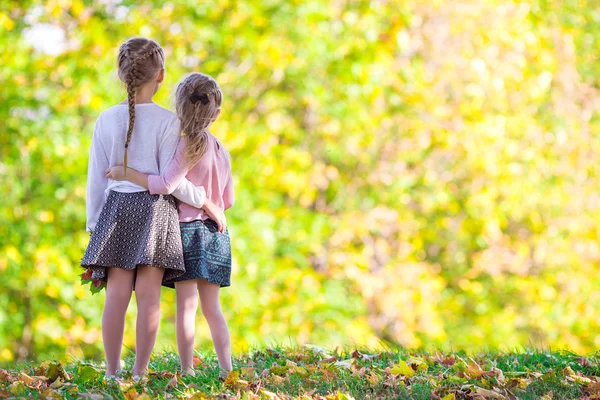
x=135, y=239
x=202, y=159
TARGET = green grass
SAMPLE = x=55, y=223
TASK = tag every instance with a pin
x=309, y=372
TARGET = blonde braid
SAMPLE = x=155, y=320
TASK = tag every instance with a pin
x=134, y=80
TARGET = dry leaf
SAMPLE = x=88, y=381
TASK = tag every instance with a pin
x=487, y=394
x=172, y=384
x=197, y=361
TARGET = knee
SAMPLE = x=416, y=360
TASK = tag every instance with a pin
x=147, y=297
x=119, y=296
x=211, y=312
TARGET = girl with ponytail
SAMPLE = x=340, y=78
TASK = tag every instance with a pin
x=135, y=239
x=203, y=160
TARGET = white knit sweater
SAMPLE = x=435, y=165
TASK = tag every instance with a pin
x=153, y=143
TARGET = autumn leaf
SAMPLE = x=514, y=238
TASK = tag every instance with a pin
x=272, y=352
x=418, y=362
x=172, y=384
x=373, y=378
x=269, y=395
x=18, y=388
x=233, y=381
x=34, y=382
x=52, y=370
x=402, y=369
x=474, y=370
x=487, y=394
x=584, y=362
x=346, y=364
x=449, y=396
x=86, y=372
x=57, y=383
x=248, y=372
x=197, y=362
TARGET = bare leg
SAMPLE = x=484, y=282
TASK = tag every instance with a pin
x=118, y=295
x=147, y=295
x=211, y=308
x=187, y=306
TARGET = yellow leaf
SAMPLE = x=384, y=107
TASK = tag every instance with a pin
x=449, y=396
x=402, y=368
x=269, y=395
x=373, y=378
x=418, y=362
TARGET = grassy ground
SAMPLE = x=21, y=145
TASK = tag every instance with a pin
x=313, y=373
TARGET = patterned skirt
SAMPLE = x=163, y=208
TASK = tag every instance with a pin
x=136, y=229
x=207, y=253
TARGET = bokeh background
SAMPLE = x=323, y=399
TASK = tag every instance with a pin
x=414, y=173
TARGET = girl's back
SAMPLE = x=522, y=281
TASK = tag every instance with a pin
x=152, y=145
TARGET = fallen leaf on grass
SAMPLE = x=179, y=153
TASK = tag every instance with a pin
x=347, y=364
x=131, y=394
x=402, y=368
x=449, y=396
x=197, y=361
x=272, y=352
x=91, y=396
x=343, y=396
x=584, y=362
x=361, y=356
x=420, y=364
x=86, y=372
x=49, y=394
x=34, y=382
x=52, y=370
x=233, y=381
x=269, y=395
x=487, y=394
x=57, y=383
x=373, y=378
x=474, y=370
x=319, y=351
x=248, y=372
x=18, y=388
x=279, y=369
x=5, y=376
x=172, y=384
x=127, y=384
x=277, y=380
x=445, y=360
x=329, y=360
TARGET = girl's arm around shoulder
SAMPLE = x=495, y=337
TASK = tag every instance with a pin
x=172, y=175
x=185, y=192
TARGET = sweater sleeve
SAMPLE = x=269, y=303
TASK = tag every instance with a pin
x=171, y=177
x=172, y=180
x=228, y=194
x=97, y=182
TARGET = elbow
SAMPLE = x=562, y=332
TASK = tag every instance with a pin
x=158, y=186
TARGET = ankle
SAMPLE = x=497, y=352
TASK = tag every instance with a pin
x=188, y=372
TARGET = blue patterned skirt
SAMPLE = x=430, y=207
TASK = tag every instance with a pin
x=206, y=252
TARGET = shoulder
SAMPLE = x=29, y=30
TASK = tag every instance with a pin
x=111, y=113
x=162, y=112
x=220, y=149
x=167, y=116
